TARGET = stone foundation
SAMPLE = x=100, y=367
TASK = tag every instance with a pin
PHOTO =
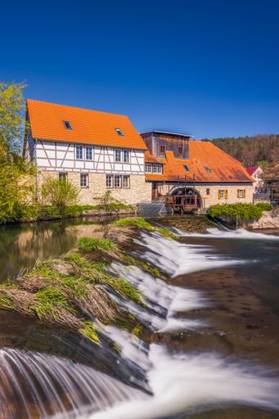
x=139, y=191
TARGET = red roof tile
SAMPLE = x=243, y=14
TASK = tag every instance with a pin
x=88, y=126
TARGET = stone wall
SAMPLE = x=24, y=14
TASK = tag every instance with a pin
x=139, y=191
x=212, y=198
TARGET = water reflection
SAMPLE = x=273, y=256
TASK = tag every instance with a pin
x=22, y=245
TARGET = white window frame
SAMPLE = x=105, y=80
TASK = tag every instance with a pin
x=117, y=153
x=127, y=177
x=110, y=183
x=126, y=156
x=79, y=149
x=148, y=167
x=89, y=152
x=119, y=186
x=82, y=184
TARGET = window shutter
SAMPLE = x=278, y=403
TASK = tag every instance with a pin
x=219, y=194
x=226, y=194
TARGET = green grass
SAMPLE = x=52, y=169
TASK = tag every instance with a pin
x=6, y=303
x=76, y=286
x=138, y=222
x=145, y=266
x=43, y=268
x=89, y=331
x=125, y=288
x=49, y=301
x=88, y=244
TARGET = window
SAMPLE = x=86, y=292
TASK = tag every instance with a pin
x=84, y=180
x=79, y=154
x=207, y=191
x=62, y=176
x=126, y=156
x=68, y=125
x=223, y=194
x=109, y=181
x=186, y=168
x=162, y=149
x=180, y=149
x=156, y=168
x=126, y=181
x=89, y=152
x=119, y=132
x=117, y=155
x=148, y=167
x=241, y=193
x=208, y=169
x=117, y=181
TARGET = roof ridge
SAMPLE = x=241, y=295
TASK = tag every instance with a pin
x=75, y=107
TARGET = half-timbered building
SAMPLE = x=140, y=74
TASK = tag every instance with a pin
x=96, y=151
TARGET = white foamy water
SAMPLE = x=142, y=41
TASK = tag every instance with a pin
x=54, y=384
x=164, y=301
x=182, y=383
x=177, y=258
x=240, y=233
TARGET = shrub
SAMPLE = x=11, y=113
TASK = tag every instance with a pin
x=60, y=193
x=238, y=212
x=89, y=244
x=265, y=206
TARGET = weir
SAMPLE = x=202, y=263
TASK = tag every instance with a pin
x=38, y=385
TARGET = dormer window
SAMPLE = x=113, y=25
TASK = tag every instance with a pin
x=68, y=125
x=186, y=168
x=119, y=132
x=208, y=169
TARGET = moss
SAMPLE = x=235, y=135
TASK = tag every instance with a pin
x=88, y=330
x=89, y=244
x=145, y=266
x=137, y=330
x=43, y=268
x=49, y=301
x=124, y=288
x=166, y=233
x=138, y=222
x=6, y=302
x=77, y=286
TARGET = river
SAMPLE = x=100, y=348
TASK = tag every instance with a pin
x=214, y=322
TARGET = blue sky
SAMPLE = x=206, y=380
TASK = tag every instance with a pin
x=206, y=67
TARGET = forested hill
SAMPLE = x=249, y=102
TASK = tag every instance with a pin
x=251, y=150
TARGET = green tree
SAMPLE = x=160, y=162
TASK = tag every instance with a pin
x=12, y=115
x=59, y=193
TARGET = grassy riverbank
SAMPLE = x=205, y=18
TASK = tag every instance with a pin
x=72, y=290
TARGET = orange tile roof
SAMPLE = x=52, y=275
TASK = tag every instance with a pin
x=206, y=163
x=89, y=127
x=149, y=158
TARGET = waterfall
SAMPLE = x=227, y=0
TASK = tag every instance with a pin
x=240, y=233
x=39, y=385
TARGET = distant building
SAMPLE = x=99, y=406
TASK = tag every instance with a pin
x=271, y=180
x=96, y=151
x=174, y=161
x=256, y=173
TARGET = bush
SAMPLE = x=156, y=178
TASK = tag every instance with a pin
x=239, y=212
x=60, y=193
x=265, y=206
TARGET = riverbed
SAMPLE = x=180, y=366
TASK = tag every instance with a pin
x=214, y=343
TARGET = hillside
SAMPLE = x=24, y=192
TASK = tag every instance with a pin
x=251, y=150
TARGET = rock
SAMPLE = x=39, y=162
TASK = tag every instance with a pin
x=269, y=220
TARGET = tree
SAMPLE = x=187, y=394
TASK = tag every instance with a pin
x=12, y=115
x=60, y=193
